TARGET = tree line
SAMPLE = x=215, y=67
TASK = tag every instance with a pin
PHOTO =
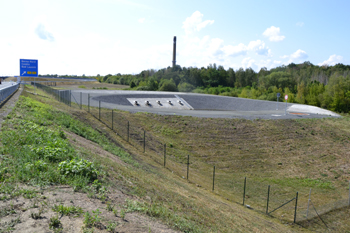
x=323, y=86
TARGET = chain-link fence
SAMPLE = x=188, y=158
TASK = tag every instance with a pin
x=256, y=193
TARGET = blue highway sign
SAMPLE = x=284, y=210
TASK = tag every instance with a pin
x=28, y=68
x=278, y=95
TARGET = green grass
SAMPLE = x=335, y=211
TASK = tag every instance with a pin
x=161, y=192
x=303, y=182
x=290, y=155
x=158, y=210
x=35, y=145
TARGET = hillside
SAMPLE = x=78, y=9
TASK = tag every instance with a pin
x=289, y=155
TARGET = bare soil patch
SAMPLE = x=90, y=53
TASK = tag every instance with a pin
x=22, y=209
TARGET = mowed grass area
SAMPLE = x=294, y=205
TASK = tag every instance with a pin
x=35, y=129
x=289, y=155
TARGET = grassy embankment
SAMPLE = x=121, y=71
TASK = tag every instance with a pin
x=34, y=144
x=290, y=155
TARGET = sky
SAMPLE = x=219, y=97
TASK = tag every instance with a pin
x=127, y=36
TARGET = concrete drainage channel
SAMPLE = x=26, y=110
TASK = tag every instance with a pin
x=197, y=105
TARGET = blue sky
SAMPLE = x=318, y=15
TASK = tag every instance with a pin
x=127, y=36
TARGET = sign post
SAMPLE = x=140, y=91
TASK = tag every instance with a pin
x=28, y=68
x=286, y=98
x=278, y=96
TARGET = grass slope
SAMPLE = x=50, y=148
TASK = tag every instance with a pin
x=289, y=155
x=34, y=144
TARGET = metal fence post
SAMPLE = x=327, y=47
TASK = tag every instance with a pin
x=188, y=164
x=144, y=141
x=308, y=203
x=81, y=100
x=268, y=199
x=99, y=109
x=89, y=102
x=128, y=130
x=70, y=98
x=164, y=154
x=245, y=182
x=213, y=177
x=112, y=119
x=296, y=205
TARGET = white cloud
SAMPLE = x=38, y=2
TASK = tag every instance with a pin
x=259, y=47
x=235, y=51
x=249, y=63
x=195, y=23
x=273, y=33
x=141, y=20
x=215, y=47
x=300, y=24
x=298, y=55
x=332, y=60
x=277, y=62
x=43, y=34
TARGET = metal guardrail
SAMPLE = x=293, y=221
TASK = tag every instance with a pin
x=7, y=90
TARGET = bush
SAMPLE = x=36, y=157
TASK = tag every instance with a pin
x=168, y=85
x=78, y=167
x=132, y=84
x=185, y=87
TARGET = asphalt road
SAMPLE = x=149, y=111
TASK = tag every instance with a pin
x=202, y=105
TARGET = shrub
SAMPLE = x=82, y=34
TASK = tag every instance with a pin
x=48, y=152
x=185, y=87
x=78, y=167
x=132, y=84
x=168, y=85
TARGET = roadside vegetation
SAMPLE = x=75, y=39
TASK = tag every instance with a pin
x=45, y=144
x=41, y=149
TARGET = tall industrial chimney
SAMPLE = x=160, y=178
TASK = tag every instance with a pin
x=174, y=52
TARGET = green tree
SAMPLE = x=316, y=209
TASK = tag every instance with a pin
x=168, y=85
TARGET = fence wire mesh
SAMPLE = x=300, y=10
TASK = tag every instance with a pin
x=201, y=165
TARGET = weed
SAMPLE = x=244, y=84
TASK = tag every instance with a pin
x=7, y=211
x=55, y=224
x=115, y=212
x=88, y=220
x=111, y=226
x=9, y=226
x=109, y=206
x=92, y=220
x=88, y=230
x=122, y=213
x=78, y=167
x=68, y=210
x=96, y=216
